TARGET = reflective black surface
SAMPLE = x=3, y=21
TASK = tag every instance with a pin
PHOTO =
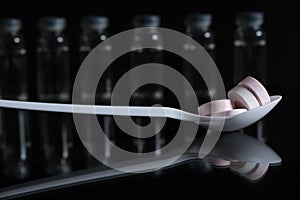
x=188, y=180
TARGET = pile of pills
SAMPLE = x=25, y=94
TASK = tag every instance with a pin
x=249, y=170
x=246, y=95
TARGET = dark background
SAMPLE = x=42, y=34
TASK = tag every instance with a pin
x=281, y=24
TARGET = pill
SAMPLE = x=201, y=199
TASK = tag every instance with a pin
x=231, y=112
x=249, y=170
x=218, y=162
x=260, y=170
x=243, y=98
x=214, y=107
x=257, y=89
x=242, y=167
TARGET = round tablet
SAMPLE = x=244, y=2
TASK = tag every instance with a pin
x=232, y=112
x=257, y=89
x=215, y=107
x=243, y=98
x=218, y=162
x=242, y=167
x=260, y=170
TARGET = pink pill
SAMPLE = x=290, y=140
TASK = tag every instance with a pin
x=214, y=107
x=243, y=97
x=257, y=89
x=259, y=171
x=232, y=112
x=249, y=170
x=217, y=162
x=242, y=167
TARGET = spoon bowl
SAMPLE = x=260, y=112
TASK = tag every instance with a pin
x=242, y=120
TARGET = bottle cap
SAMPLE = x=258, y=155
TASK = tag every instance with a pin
x=52, y=23
x=10, y=25
x=94, y=22
x=198, y=20
x=250, y=19
x=146, y=21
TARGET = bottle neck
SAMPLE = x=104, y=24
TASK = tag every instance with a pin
x=94, y=30
x=150, y=29
x=51, y=33
x=11, y=39
x=196, y=29
x=9, y=33
x=245, y=36
x=248, y=28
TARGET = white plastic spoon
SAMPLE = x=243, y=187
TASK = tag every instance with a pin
x=231, y=123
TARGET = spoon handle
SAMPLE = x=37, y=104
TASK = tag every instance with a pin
x=77, y=178
x=138, y=111
x=58, y=182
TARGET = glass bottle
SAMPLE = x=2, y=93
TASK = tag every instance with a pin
x=197, y=26
x=15, y=138
x=150, y=94
x=54, y=85
x=94, y=31
x=250, y=53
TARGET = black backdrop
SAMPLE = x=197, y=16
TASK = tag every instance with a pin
x=283, y=63
x=281, y=24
